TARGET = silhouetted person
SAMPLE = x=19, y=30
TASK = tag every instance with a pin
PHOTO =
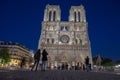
x=77, y=66
x=44, y=59
x=36, y=59
x=90, y=67
x=83, y=67
x=63, y=66
x=66, y=66
x=22, y=62
x=87, y=63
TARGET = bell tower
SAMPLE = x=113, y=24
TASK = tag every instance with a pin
x=52, y=13
x=77, y=14
x=80, y=28
x=50, y=26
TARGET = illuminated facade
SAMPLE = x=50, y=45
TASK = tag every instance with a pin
x=65, y=41
x=17, y=52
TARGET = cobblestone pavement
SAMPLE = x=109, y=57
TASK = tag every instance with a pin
x=57, y=75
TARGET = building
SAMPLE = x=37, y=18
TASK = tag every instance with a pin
x=17, y=52
x=65, y=41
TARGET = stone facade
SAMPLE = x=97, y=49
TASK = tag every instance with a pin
x=65, y=41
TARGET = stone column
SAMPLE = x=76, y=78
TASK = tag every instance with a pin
x=77, y=19
x=52, y=15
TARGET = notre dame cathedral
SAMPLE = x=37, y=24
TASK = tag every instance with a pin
x=65, y=41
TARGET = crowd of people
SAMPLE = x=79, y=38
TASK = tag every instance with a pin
x=42, y=55
x=78, y=66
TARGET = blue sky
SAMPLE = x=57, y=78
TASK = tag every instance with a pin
x=20, y=21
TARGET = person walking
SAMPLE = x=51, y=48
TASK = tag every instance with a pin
x=36, y=59
x=44, y=59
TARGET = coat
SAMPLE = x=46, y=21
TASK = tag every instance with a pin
x=44, y=55
x=37, y=56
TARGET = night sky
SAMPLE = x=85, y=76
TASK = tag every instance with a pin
x=20, y=21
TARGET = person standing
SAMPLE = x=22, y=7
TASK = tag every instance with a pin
x=22, y=62
x=44, y=59
x=36, y=59
x=87, y=63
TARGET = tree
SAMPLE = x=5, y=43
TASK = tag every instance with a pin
x=103, y=61
x=4, y=56
x=107, y=62
x=117, y=62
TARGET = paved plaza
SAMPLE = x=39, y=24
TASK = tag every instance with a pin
x=57, y=75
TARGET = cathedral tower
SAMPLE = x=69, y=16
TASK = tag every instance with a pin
x=65, y=41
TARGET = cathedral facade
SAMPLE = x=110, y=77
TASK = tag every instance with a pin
x=65, y=41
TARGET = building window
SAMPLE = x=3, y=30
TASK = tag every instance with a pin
x=47, y=40
x=62, y=28
x=75, y=16
x=52, y=41
x=80, y=41
x=76, y=41
x=50, y=14
x=54, y=15
x=79, y=16
x=66, y=28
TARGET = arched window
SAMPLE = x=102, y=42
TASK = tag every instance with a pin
x=80, y=41
x=54, y=15
x=62, y=28
x=47, y=40
x=75, y=16
x=52, y=41
x=76, y=41
x=66, y=28
x=50, y=14
x=79, y=16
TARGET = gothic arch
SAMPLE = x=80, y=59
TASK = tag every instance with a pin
x=63, y=57
x=80, y=58
x=79, y=16
x=48, y=40
x=50, y=60
x=53, y=40
x=54, y=15
x=75, y=16
x=76, y=41
x=50, y=15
